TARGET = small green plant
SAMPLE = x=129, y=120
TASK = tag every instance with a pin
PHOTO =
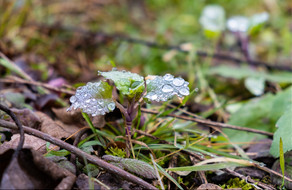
x=237, y=183
x=116, y=152
x=96, y=98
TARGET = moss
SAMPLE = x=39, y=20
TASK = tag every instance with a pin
x=237, y=183
x=116, y=152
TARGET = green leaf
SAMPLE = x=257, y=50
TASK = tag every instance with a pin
x=284, y=131
x=56, y=153
x=129, y=84
x=254, y=114
x=213, y=18
x=92, y=169
x=164, y=88
x=132, y=165
x=255, y=85
x=238, y=24
x=244, y=72
x=93, y=98
x=257, y=21
x=282, y=161
x=280, y=104
x=259, y=113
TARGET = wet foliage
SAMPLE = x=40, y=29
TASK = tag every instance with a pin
x=182, y=94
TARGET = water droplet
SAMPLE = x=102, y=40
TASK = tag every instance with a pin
x=196, y=89
x=168, y=77
x=111, y=106
x=73, y=99
x=178, y=81
x=88, y=101
x=79, y=88
x=75, y=105
x=114, y=69
x=167, y=88
x=153, y=97
x=261, y=164
x=184, y=91
x=93, y=101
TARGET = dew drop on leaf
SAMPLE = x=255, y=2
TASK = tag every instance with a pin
x=168, y=77
x=111, y=106
x=167, y=88
x=73, y=99
x=178, y=81
x=184, y=91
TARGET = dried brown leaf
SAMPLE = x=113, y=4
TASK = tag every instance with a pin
x=56, y=128
x=27, y=117
x=29, y=142
x=208, y=186
x=75, y=117
x=30, y=170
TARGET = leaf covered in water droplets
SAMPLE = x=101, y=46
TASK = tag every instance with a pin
x=213, y=18
x=93, y=98
x=129, y=84
x=164, y=88
x=132, y=165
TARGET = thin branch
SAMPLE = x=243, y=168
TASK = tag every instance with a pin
x=92, y=159
x=200, y=53
x=210, y=123
x=20, y=128
x=35, y=83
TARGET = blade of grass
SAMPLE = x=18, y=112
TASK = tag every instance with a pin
x=156, y=172
x=94, y=130
x=168, y=176
x=206, y=167
x=282, y=161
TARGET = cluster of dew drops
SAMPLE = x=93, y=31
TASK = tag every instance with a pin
x=90, y=101
x=167, y=87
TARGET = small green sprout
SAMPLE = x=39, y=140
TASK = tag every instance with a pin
x=244, y=24
x=96, y=98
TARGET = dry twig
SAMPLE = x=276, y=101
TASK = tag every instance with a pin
x=92, y=159
x=210, y=123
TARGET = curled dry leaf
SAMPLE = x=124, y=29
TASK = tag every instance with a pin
x=56, y=128
x=27, y=117
x=29, y=142
x=30, y=170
